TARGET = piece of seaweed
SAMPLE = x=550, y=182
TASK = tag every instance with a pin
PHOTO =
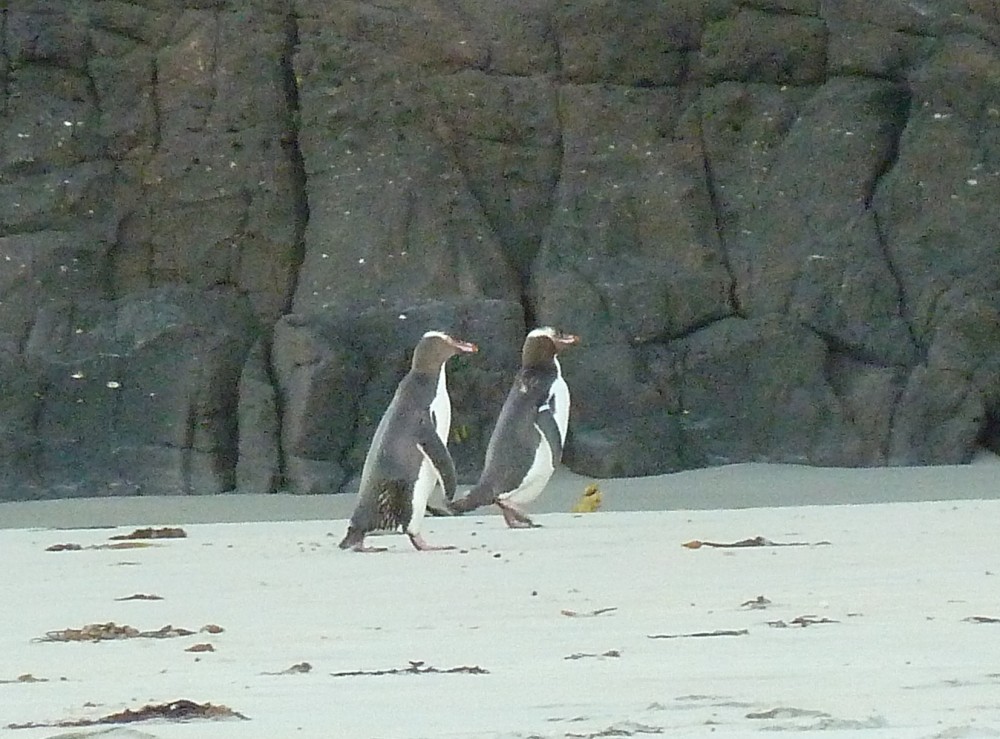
x=110, y=631
x=700, y=634
x=167, y=532
x=178, y=710
x=417, y=667
x=756, y=541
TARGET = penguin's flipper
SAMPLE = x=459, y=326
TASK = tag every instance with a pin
x=546, y=423
x=479, y=495
x=434, y=449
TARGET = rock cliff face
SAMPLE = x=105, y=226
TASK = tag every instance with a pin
x=224, y=224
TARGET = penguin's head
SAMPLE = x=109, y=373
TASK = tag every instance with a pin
x=542, y=344
x=435, y=348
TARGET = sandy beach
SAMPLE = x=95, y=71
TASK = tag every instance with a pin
x=860, y=603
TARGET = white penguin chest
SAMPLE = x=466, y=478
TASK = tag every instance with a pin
x=428, y=476
x=441, y=408
x=559, y=399
x=537, y=477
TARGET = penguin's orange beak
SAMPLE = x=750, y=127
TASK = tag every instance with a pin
x=466, y=347
x=567, y=339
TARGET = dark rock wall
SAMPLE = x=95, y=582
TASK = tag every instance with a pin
x=223, y=225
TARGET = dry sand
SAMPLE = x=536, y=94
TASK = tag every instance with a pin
x=876, y=623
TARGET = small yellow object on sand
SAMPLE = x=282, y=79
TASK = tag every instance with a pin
x=590, y=501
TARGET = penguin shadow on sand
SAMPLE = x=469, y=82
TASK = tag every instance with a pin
x=408, y=456
x=527, y=442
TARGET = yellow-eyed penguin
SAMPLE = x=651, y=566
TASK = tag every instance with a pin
x=409, y=454
x=527, y=441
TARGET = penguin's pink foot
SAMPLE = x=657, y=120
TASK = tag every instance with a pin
x=421, y=545
x=516, y=519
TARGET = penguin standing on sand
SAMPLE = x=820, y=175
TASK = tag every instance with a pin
x=408, y=455
x=527, y=441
